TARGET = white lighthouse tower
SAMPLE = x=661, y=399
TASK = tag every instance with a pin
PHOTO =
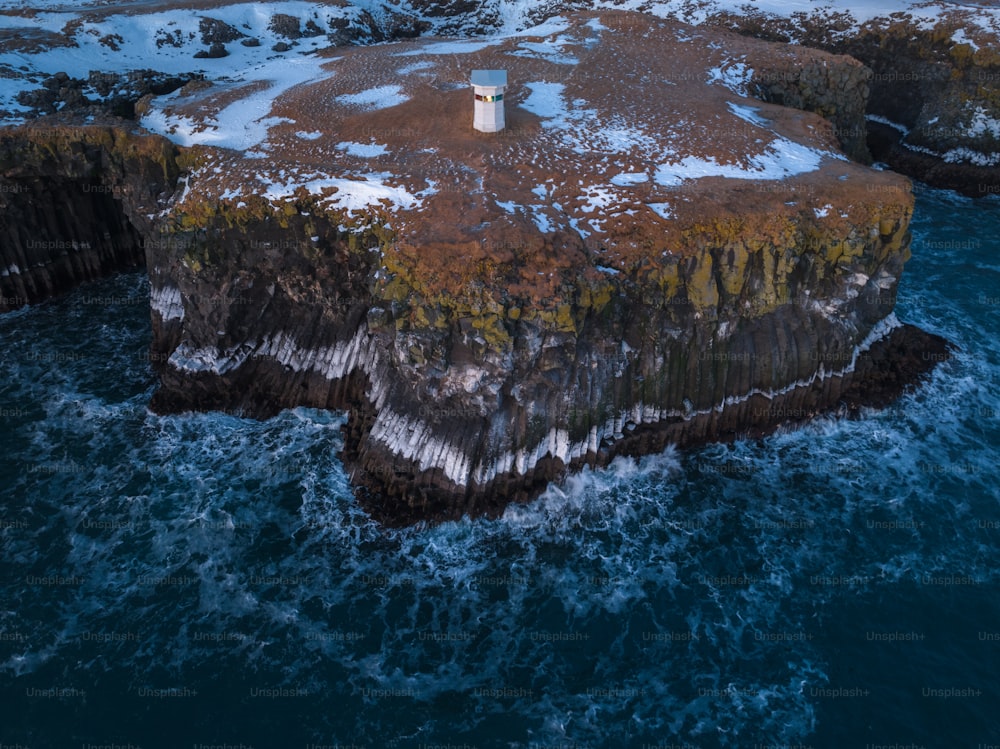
x=489, y=86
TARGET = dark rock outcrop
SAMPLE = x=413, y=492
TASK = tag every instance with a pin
x=215, y=52
x=213, y=31
x=838, y=93
x=285, y=25
x=117, y=94
x=76, y=204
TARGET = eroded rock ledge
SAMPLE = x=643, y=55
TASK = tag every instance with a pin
x=495, y=310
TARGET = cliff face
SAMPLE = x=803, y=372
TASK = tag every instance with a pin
x=935, y=106
x=75, y=204
x=496, y=309
x=839, y=93
x=463, y=405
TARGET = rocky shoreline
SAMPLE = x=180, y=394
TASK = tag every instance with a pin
x=678, y=311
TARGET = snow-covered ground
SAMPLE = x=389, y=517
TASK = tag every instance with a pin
x=516, y=15
x=150, y=34
x=861, y=11
x=245, y=122
x=166, y=41
x=239, y=110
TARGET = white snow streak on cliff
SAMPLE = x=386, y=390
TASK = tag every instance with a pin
x=412, y=439
x=166, y=300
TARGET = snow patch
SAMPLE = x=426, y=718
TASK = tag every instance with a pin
x=545, y=100
x=553, y=51
x=348, y=194
x=663, y=210
x=967, y=155
x=509, y=206
x=783, y=158
x=626, y=179
x=542, y=220
x=889, y=123
x=983, y=124
x=381, y=97
x=733, y=75
x=597, y=197
x=960, y=37
x=580, y=128
x=363, y=150
x=748, y=114
x=414, y=67
x=548, y=27
x=450, y=48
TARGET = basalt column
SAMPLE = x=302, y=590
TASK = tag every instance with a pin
x=76, y=204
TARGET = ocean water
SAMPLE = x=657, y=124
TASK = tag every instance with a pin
x=204, y=580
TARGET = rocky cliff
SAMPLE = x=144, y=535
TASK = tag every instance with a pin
x=645, y=256
x=75, y=204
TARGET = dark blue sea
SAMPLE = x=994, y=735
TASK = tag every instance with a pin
x=209, y=581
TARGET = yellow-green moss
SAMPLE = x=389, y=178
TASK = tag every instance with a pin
x=702, y=290
x=734, y=258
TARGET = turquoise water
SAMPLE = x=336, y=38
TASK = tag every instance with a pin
x=208, y=580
